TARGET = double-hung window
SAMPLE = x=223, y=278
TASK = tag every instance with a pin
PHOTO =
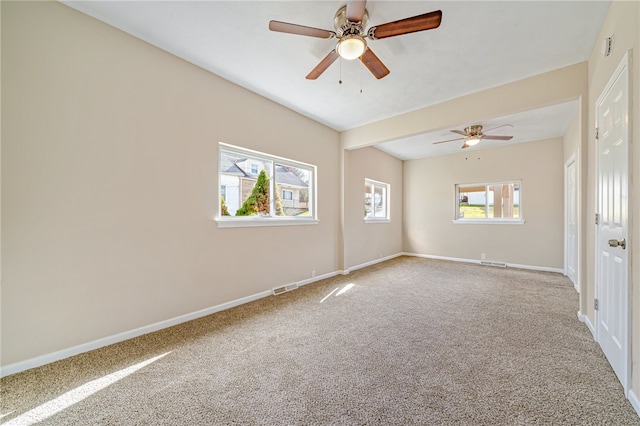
x=258, y=189
x=494, y=202
x=376, y=201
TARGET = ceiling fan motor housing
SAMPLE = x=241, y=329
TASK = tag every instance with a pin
x=475, y=130
x=344, y=27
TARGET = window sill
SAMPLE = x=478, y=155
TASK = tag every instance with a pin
x=377, y=221
x=488, y=222
x=263, y=221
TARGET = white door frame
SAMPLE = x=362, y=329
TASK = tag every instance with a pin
x=624, y=63
x=572, y=160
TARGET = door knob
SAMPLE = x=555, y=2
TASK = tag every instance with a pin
x=616, y=243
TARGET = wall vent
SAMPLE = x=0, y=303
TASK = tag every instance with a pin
x=607, y=46
x=489, y=263
x=284, y=289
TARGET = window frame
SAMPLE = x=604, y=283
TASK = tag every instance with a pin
x=267, y=220
x=387, y=191
x=488, y=220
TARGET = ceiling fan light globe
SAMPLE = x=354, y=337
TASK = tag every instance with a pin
x=351, y=47
x=473, y=140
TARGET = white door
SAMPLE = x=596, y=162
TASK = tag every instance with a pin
x=571, y=226
x=612, y=234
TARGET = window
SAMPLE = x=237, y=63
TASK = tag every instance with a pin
x=260, y=189
x=489, y=202
x=376, y=201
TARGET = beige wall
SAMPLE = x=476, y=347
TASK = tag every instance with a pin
x=366, y=242
x=622, y=22
x=109, y=185
x=429, y=205
x=573, y=138
x=565, y=84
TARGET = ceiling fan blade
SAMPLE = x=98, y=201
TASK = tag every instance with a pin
x=422, y=22
x=449, y=140
x=465, y=145
x=497, y=138
x=323, y=65
x=374, y=64
x=494, y=128
x=460, y=132
x=285, y=27
x=355, y=10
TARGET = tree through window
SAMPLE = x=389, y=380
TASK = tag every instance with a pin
x=254, y=184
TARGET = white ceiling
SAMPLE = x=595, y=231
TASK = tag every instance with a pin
x=479, y=45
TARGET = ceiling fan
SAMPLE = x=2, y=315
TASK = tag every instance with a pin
x=350, y=22
x=472, y=135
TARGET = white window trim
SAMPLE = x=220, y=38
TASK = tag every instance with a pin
x=489, y=220
x=254, y=221
x=386, y=219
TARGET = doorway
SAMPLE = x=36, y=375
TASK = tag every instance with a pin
x=571, y=222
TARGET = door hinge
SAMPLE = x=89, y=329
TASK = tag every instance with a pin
x=597, y=133
x=597, y=218
x=596, y=304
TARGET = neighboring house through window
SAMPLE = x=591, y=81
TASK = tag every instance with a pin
x=489, y=202
x=376, y=201
x=258, y=185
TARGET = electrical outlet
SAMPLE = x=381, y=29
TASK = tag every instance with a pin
x=483, y=256
x=313, y=274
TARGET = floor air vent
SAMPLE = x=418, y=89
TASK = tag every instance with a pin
x=284, y=289
x=489, y=263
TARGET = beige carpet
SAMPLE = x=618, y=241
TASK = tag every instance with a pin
x=408, y=341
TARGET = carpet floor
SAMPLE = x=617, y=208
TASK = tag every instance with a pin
x=409, y=341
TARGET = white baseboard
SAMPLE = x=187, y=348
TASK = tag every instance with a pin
x=120, y=337
x=372, y=262
x=318, y=278
x=633, y=399
x=585, y=319
x=478, y=262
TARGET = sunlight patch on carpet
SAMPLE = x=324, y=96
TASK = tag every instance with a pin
x=345, y=289
x=329, y=295
x=340, y=291
x=76, y=395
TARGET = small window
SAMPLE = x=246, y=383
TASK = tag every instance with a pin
x=489, y=202
x=376, y=201
x=255, y=186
